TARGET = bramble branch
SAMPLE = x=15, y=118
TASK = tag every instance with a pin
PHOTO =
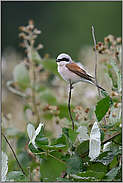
x=13, y=153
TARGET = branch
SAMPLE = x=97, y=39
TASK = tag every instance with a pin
x=71, y=87
x=13, y=153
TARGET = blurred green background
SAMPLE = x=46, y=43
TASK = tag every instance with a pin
x=65, y=25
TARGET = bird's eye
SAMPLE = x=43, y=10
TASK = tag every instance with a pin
x=64, y=59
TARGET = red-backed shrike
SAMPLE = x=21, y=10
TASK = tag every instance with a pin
x=71, y=72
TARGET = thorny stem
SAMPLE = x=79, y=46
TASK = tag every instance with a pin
x=96, y=68
x=13, y=153
x=71, y=87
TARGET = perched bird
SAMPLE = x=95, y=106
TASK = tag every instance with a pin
x=71, y=72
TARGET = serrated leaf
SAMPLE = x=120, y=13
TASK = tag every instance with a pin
x=74, y=164
x=60, y=142
x=95, y=143
x=16, y=176
x=51, y=167
x=32, y=134
x=21, y=76
x=102, y=107
x=83, y=133
x=48, y=97
x=4, y=164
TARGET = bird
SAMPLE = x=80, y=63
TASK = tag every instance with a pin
x=71, y=72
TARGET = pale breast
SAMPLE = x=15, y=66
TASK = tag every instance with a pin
x=68, y=75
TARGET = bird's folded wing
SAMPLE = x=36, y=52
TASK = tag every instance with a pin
x=73, y=67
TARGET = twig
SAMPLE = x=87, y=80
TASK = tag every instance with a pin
x=71, y=87
x=95, y=62
x=13, y=153
x=64, y=173
x=30, y=174
x=96, y=68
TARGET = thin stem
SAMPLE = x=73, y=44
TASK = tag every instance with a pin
x=13, y=153
x=95, y=62
x=34, y=98
x=96, y=68
x=30, y=174
x=71, y=87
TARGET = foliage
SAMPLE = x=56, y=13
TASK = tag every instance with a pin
x=83, y=154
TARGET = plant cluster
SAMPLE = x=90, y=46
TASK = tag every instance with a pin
x=90, y=152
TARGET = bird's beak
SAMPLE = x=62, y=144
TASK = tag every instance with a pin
x=57, y=60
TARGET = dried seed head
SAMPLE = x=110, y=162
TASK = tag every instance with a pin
x=30, y=22
x=22, y=28
x=22, y=35
x=30, y=27
x=36, y=31
x=40, y=46
x=86, y=110
x=119, y=39
x=100, y=43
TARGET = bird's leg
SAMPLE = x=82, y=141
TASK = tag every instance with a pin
x=71, y=87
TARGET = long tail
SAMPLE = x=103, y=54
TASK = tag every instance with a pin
x=99, y=86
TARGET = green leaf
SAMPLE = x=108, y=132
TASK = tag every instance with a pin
x=21, y=76
x=119, y=78
x=72, y=134
x=111, y=174
x=102, y=134
x=51, y=167
x=64, y=112
x=16, y=176
x=60, y=142
x=98, y=167
x=82, y=149
x=83, y=134
x=74, y=165
x=4, y=164
x=36, y=57
x=50, y=65
x=41, y=140
x=113, y=163
x=105, y=94
x=106, y=157
x=48, y=97
x=102, y=107
x=89, y=176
